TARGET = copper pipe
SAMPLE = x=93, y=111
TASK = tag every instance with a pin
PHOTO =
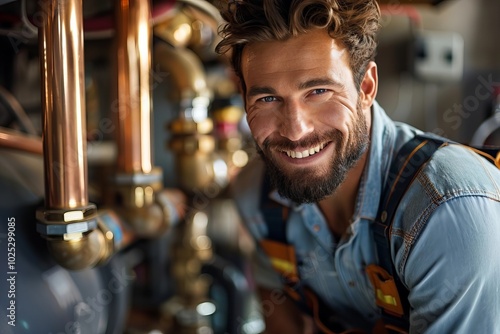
x=133, y=96
x=103, y=152
x=18, y=141
x=63, y=92
x=18, y=111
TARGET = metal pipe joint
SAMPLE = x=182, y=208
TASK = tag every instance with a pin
x=143, y=204
x=80, y=238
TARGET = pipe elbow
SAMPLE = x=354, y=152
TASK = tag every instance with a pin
x=185, y=69
x=79, y=251
x=154, y=218
x=79, y=247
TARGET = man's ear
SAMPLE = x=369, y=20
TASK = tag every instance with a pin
x=369, y=86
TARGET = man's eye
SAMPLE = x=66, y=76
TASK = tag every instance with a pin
x=267, y=99
x=320, y=91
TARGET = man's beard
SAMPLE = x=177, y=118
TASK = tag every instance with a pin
x=306, y=185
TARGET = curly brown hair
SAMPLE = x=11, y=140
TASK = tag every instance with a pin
x=352, y=22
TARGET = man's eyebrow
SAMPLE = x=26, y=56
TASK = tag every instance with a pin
x=256, y=90
x=320, y=82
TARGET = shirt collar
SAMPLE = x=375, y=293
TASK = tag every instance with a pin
x=383, y=134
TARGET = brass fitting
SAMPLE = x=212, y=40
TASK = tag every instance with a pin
x=66, y=221
x=146, y=208
x=193, y=25
x=188, y=145
x=183, y=126
x=81, y=238
x=190, y=137
x=186, y=72
x=194, y=147
x=194, y=158
x=80, y=250
x=176, y=30
x=190, y=252
x=230, y=143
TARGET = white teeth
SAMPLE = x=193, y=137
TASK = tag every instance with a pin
x=306, y=153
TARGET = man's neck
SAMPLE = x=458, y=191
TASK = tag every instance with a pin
x=338, y=208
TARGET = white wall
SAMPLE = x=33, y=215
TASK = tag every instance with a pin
x=452, y=108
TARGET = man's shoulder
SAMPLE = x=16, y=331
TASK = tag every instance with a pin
x=456, y=170
x=452, y=172
x=454, y=175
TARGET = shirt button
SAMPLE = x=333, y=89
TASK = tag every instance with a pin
x=351, y=284
x=316, y=228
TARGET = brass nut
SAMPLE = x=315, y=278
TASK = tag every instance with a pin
x=65, y=216
x=64, y=229
x=66, y=221
x=136, y=179
x=137, y=196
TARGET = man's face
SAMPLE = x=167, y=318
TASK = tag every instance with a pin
x=304, y=113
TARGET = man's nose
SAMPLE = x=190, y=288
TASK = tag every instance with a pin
x=296, y=121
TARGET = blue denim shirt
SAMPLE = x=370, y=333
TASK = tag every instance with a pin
x=445, y=240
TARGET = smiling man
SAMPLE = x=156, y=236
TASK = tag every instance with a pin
x=311, y=201
x=310, y=125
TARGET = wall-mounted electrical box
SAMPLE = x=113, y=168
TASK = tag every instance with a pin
x=438, y=56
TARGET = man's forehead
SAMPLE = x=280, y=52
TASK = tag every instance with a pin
x=311, y=42
x=304, y=52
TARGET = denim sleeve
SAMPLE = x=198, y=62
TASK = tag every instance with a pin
x=453, y=270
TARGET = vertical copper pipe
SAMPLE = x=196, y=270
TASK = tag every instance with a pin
x=133, y=46
x=63, y=101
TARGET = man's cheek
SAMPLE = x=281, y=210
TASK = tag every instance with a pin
x=259, y=136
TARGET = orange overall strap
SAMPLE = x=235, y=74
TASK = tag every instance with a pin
x=283, y=259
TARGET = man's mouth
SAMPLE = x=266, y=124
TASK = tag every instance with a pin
x=304, y=153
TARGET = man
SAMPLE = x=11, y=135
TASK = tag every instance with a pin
x=309, y=84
